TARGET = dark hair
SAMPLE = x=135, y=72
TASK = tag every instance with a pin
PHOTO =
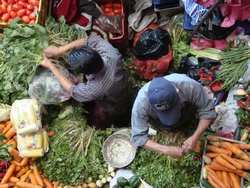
x=85, y=60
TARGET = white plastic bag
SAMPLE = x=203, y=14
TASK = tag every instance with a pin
x=25, y=116
x=4, y=112
x=46, y=88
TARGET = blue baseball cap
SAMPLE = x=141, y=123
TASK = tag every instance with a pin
x=164, y=100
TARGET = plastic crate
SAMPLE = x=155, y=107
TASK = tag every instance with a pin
x=41, y=14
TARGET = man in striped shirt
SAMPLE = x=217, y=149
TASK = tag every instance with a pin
x=104, y=90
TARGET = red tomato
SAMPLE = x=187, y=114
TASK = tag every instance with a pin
x=23, y=4
x=21, y=12
x=26, y=19
x=11, y=1
x=30, y=7
x=34, y=2
x=16, y=7
x=108, y=5
x=117, y=11
x=13, y=14
x=28, y=12
x=3, y=8
x=107, y=10
x=5, y=17
x=32, y=21
x=9, y=8
x=32, y=16
x=117, y=6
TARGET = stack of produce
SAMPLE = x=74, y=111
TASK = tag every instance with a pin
x=73, y=137
x=21, y=48
x=24, y=10
x=226, y=162
x=21, y=172
x=233, y=66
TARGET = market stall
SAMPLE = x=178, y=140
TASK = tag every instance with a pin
x=46, y=138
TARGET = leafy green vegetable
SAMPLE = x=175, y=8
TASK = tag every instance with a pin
x=162, y=171
x=20, y=52
x=63, y=163
x=21, y=48
x=234, y=65
x=243, y=116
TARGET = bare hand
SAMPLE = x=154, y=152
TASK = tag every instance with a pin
x=189, y=144
x=174, y=151
x=46, y=63
x=52, y=51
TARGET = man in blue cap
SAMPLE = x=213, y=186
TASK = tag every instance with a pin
x=104, y=87
x=165, y=99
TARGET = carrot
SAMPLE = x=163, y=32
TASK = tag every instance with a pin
x=27, y=185
x=218, y=167
x=245, y=164
x=215, y=179
x=22, y=171
x=243, y=146
x=223, y=162
x=6, y=185
x=51, y=133
x=16, y=163
x=12, y=142
x=225, y=179
x=33, y=179
x=25, y=176
x=8, y=173
x=15, y=154
x=232, y=161
x=212, y=182
x=235, y=180
x=47, y=183
x=25, y=161
x=2, y=125
x=235, y=150
x=212, y=155
x=219, y=175
x=216, y=149
x=6, y=128
x=14, y=179
x=37, y=176
x=213, y=138
x=11, y=132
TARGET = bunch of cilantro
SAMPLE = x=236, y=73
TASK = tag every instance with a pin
x=62, y=163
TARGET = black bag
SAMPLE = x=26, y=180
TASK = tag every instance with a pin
x=211, y=29
x=152, y=44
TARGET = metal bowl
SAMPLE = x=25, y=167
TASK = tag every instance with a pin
x=117, y=151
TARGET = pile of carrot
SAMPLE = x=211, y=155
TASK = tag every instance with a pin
x=226, y=163
x=22, y=172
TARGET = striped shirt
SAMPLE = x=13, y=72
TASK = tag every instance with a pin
x=109, y=86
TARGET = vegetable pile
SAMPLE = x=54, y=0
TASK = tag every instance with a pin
x=63, y=163
x=234, y=65
x=226, y=162
x=21, y=172
x=132, y=182
x=21, y=51
x=163, y=171
x=25, y=10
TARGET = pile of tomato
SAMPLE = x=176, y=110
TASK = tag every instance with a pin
x=112, y=9
x=25, y=10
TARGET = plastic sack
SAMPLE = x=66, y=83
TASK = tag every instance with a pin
x=45, y=87
x=33, y=145
x=110, y=24
x=4, y=112
x=152, y=44
x=25, y=116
